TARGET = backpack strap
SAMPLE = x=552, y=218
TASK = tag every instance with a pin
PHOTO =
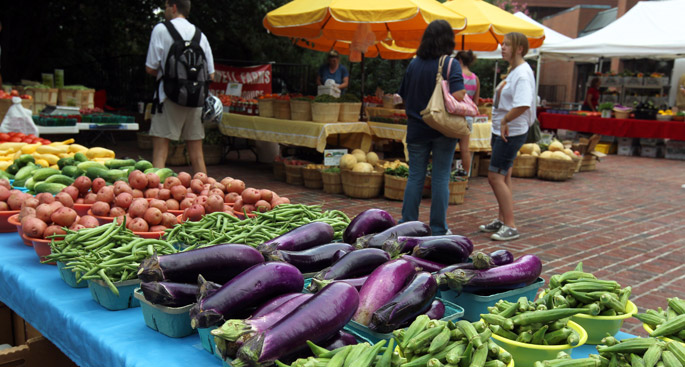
x=197, y=37
x=172, y=31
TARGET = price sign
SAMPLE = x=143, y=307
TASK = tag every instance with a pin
x=331, y=157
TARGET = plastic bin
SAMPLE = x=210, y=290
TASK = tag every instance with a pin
x=452, y=312
x=69, y=277
x=170, y=321
x=207, y=340
x=474, y=305
x=104, y=296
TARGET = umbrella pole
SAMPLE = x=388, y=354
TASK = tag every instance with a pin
x=362, y=115
x=494, y=82
x=537, y=76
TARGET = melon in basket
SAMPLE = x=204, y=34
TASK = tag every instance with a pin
x=347, y=161
x=556, y=146
x=546, y=154
x=362, y=167
x=359, y=155
x=569, y=153
x=560, y=155
x=372, y=158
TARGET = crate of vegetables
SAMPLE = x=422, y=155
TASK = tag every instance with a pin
x=170, y=321
x=103, y=295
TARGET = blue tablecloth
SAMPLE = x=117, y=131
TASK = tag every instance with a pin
x=86, y=332
x=91, y=335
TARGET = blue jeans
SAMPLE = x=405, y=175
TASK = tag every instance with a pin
x=504, y=153
x=419, y=155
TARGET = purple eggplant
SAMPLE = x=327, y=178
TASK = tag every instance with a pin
x=523, y=271
x=233, y=329
x=497, y=258
x=301, y=238
x=413, y=228
x=368, y=222
x=340, y=340
x=436, y=310
x=440, y=277
x=318, y=284
x=354, y=264
x=274, y=303
x=423, y=264
x=409, y=302
x=383, y=284
x=251, y=288
x=318, y=319
x=218, y=264
x=169, y=294
x=444, y=250
x=315, y=258
x=406, y=244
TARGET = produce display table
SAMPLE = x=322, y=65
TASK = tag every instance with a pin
x=107, y=126
x=629, y=128
x=86, y=332
x=47, y=130
x=301, y=133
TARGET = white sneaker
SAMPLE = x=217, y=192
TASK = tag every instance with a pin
x=448, y=233
x=505, y=233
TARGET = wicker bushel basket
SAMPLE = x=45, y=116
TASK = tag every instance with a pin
x=266, y=107
x=394, y=187
x=362, y=185
x=349, y=112
x=457, y=192
x=578, y=162
x=293, y=174
x=312, y=178
x=332, y=182
x=300, y=110
x=325, y=112
x=588, y=163
x=555, y=169
x=279, y=170
x=525, y=166
x=281, y=109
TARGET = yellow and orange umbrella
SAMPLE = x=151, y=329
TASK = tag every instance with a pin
x=378, y=49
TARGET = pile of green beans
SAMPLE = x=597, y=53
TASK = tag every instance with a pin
x=220, y=227
x=111, y=253
x=357, y=355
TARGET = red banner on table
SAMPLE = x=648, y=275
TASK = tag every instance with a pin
x=256, y=80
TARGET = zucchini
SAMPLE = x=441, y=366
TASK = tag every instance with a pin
x=30, y=183
x=51, y=187
x=63, y=162
x=164, y=173
x=113, y=175
x=42, y=174
x=80, y=157
x=12, y=169
x=24, y=159
x=25, y=172
x=83, y=166
x=152, y=170
x=7, y=175
x=72, y=171
x=118, y=163
x=143, y=165
x=64, y=180
x=95, y=172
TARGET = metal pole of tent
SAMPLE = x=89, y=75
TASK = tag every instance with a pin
x=494, y=82
x=362, y=114
x=537, y=76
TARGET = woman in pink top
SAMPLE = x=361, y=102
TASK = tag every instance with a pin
x=471, y=81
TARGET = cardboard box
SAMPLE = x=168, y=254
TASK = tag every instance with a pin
x=6, y=334
x=15, y=356
x=606, y=148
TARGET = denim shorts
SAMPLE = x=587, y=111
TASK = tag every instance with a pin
x=504, y=153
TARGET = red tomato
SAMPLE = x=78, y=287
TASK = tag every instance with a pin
x=14, y=92
x=45, y=142
x=4, y=137
x=27, y=140
x=36, y=141
x=31, y=136
x=15, y=139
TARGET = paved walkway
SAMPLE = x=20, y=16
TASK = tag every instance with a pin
x=625, y=221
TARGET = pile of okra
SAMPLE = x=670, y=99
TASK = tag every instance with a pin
x=669, y=323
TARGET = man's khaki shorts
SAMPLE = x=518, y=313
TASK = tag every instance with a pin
x=177, y=121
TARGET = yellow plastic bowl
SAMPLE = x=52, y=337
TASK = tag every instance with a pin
x=649, y=330
x=526, y=355
x=597, y=327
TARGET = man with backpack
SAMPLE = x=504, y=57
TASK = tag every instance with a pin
x=180, y=57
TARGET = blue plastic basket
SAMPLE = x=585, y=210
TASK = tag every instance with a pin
x=171, y=321
x=207, y=340
x=69, y=277
x=474, y=305
x=453, y=312
x=104, y=296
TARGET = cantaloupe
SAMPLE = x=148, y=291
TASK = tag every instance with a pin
x=536, y=153
x=527, y=148
x=371, y=157
x=546, y=154
x=359, y=155
x=556, y=146
x=536, y=148
x=362, y=167
x=347, y=161
x=561, y=156
x=569, y=153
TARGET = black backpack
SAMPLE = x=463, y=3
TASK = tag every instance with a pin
x=185, y=73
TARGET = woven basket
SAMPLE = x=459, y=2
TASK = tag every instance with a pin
x=293, y=174
x=300, y=110
x=621, y=114
x=212, y=154
x=362, y=185
x=332, y=182
x=555, y=169
x=349, y=112
x=388, y=102
x=279, y=171
x=46, y=96
x=578, y=162
x=457, y=192
x=281, y=109
x=266, y=107
x=325, y=112
x=177, y=155
x=394, y=187
x=525, y=166
x=426, y=193
x=312, y=178
x=588, y=163
x=484, y=167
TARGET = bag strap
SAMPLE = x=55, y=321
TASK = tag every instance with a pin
x=441, y=63
x=173, y=32
x=197, y=36
x=449, y=68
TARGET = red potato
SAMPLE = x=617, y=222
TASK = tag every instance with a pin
x=231, y=197
x=248, y=208
x=262, y=206
x=238, y=204
x=64, y=216
x=201, y=200
x=215, y=203
x=185, y=178
x=225, y=181
x=65, y=199
x=216, y=191
x=236, y=186
x=30, y=202
x=194, y=213
x=196, y=186
x=204, y=192
x=123, y=200
x=53, y=230
x=211, y=180
x=99, y=208
x=250, y=195
x=165, y=194
x=266, y=195
x=121, y=186
x=138, y=225
x=157, y=228
x=77, y=227
x=201, y=176
x=137, y=194
x=5, y=183
x=4, y=193
x=45, y=198
x=151, y=193
x=218, y=185
x=152, y=180
x=90, y=198
x=191, y=195
x=106, y=194
x=153, y=216
x=116, y=211
x=26, y=211
x=89, y=221
x=159, y=204
x=80, y=201
x=98, y=184
x=72, y=191
x=138, y=208
x=137, y=180
x=172, y=204
x=83, y=184
x=169, y=220
x=178, y=192
x=33, y=227
x=206, y=186
x=186, y=203
x=5, y=207
x=172, y=181
x=44, y=212
x=280, y=201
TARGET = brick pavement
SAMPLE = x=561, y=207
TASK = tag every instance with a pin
x=625, y=221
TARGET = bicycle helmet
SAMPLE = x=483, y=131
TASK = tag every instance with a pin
x=212, y=110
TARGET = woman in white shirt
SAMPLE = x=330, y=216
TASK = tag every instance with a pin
x=513, y=113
